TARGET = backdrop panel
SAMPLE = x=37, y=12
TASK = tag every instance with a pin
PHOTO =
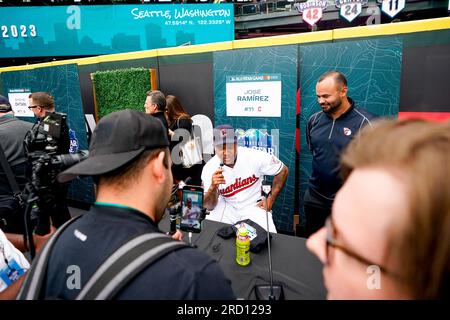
x=372, y=68
x=189, y=77
x=425, y=71
x=63, y=83
x=279, y=61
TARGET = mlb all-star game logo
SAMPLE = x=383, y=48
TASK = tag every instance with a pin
x=257, y=139
x=350, y=9
x=311, y=10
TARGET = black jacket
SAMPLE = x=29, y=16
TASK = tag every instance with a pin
x=12, y=134
x=162, y=117
x=186, y=273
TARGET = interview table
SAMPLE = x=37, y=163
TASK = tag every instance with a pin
x=294, y=266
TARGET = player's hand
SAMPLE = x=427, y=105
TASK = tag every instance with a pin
x=262, y=204
x=217, y=178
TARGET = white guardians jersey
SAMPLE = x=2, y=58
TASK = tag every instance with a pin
x=243, y=182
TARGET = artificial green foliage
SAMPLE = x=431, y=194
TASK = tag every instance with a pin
x=121, y=89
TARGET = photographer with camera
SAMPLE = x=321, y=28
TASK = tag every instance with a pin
x=42, y=103
x=13, y=264
x=130, y=162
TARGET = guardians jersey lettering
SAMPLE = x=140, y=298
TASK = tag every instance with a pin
x=238, y=186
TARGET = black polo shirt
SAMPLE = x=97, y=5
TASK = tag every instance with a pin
x=182, y=274
x=327, y=138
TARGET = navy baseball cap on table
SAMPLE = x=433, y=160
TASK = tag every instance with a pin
x=224, y=134
x=5, y=105
x=118, y=138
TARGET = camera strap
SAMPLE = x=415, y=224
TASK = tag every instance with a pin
x=118, y=269
x=17, y=193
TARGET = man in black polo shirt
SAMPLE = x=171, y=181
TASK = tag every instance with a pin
x=130, y=162
x=328, y=133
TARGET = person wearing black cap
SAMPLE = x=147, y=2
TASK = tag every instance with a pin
x=12, y=134
x=233, y=177
x=130, y=163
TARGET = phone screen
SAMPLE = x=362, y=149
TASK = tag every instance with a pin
x=191, y=209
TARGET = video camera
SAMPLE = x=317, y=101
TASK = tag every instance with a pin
x=46, y=146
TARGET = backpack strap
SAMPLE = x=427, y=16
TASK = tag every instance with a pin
x=127, y=262
x=32, y=286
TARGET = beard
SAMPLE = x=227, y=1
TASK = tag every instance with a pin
x=229, y=159
x=331, y=108
x=164, y=198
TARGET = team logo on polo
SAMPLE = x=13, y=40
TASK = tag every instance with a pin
x=350, y=9
x=347, y=131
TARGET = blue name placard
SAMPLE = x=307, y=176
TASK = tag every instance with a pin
x=104, y=29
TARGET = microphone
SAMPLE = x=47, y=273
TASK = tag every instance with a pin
x=271, y=292
x=174, y=213
x=221, y=166
x=184, y=183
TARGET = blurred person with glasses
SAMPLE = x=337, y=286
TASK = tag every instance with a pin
x=388, y=236
x=41, y=103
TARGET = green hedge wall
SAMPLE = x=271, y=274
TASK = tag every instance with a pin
x=120, y=89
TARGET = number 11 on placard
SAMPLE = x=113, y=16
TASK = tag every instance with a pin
x=391, y=3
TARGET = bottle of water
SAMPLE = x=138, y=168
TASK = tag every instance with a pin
x=242, y=247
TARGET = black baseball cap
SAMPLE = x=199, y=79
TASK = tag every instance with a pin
x=5, y=106
x=118, y=138
x=224, y=134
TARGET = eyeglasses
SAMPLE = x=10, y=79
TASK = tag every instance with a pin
x=32, y=107
x=331, y=241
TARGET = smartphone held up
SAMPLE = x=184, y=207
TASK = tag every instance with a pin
x=192, y=212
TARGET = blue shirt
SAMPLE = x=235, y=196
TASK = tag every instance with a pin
x=327, y=138
x=186, y=273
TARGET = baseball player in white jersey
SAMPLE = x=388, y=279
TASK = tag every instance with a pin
x=232, y=181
